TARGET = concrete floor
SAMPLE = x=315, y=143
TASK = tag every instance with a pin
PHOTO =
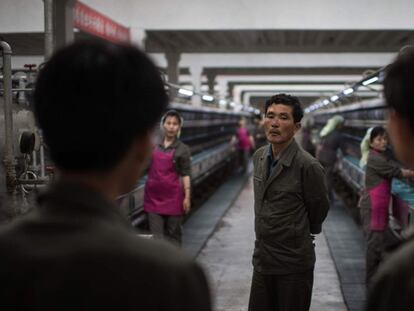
x=227, y=260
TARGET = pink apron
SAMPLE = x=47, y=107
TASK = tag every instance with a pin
x=163, y=193
x=380, y=199
x=243, y=138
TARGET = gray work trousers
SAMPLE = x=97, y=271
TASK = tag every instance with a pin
x=288, y=292
x=167, y=227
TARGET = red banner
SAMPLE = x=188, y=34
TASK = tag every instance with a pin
x=95, y=23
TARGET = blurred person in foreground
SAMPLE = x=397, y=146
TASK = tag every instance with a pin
x=97, y=104
x=393, y=284
x=290, y=204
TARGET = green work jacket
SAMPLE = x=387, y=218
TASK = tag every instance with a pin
x=289, y=206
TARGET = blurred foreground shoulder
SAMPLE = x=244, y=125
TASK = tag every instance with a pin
x=393, y=285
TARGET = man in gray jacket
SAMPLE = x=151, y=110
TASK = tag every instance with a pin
x=291, y=203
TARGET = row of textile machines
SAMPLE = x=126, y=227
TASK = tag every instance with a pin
x=359, y=117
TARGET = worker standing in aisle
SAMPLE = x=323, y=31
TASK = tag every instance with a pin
x=331, y=141
x=168, y=188
x=377, y=196
x=290, y=205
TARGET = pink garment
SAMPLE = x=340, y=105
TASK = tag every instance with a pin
x=380, y=199
x=243, y=137
x=400, y=210
x=163, y=193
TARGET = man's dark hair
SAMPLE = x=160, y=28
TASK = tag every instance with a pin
x=287, y=100
x=377, y=131
x=399, y=85
x=92, y=99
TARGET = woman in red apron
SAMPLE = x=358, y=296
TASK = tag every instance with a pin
x=377, y=196
x=167, y=190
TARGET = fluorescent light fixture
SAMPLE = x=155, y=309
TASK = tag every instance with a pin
x=335, y=97
x=232, y=104
x=369, y=81
x=208, y=98
x=251, y=109
x=222, y=102
x=326, y=101
x=257, y=111
x=76, y=30
x=348, y=91
x=185, y=92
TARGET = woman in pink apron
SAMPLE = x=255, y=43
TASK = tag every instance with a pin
x=377, y=196
x=245, y=143
x=167, y=190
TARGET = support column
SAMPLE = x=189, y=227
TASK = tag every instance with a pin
x=173, y=71
x=211, y=81
x=196, y=70
x=138, y=37
x=63, y=23
x=223, y=94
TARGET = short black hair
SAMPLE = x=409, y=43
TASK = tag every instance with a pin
x=172, y=113
x=287, y=100
x=399, y=85
x=377, y=131
x=93, y=99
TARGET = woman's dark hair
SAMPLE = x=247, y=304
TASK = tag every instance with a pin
x=377, y=131
x=172, y=113
x=287, y=100
x=93, y=99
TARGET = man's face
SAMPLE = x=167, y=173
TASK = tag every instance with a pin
x=279, y=124
x=402, y=138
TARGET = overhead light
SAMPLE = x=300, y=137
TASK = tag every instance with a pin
x=208, y=98
x=369, y=81
x=257, y=111
x=326, y=101
x=185, y=92
x=232, y=104
x=222, y=102
x=76, y=30
x=335, y=97
x=348, y=91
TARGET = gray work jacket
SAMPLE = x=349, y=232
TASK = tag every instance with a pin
x=290, y=205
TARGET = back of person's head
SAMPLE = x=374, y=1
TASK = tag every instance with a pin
x=377, y=131
x=399, y=85
x=93, y=99
x=287, y=100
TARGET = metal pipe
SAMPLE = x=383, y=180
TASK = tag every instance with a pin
x=22, y=95
x=48, y=11
x=20, y=90
x=8, y=118
x=42, y=160
x=34, y=160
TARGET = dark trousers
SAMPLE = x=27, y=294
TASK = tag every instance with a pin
x=375, y=245
x=243, y=159
x=329, y=178
x=167, y=227
x=289, y=292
